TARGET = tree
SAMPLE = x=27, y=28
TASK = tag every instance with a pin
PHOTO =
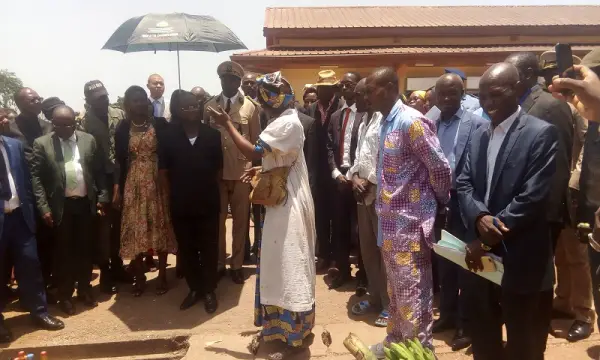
x=119, y=103
x=9, y=85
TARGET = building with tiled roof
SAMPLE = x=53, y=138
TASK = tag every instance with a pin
x=418, y=41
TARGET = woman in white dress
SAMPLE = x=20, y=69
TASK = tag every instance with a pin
x=285, y=282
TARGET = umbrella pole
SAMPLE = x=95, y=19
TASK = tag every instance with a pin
x=178, y=67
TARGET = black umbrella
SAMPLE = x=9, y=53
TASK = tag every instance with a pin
x=173, y=32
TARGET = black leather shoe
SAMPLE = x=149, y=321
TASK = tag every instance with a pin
x=237, y=276
x=67, y=307
x=460, y=340
x=210, y=302
x=87, y=298
x=48, y=322
x=5, y=335
x=189, y=301
x=108, y=287
x=442, y=324
x=579, y=330
x=339, y=280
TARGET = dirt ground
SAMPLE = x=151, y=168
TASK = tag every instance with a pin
x=153, y=327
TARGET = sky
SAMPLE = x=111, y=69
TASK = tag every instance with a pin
x=54, y=45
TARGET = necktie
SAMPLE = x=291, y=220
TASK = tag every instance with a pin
x=70, y=171
x=228, y=106
x=5, y=193
x=156, y=105
x=343, y=135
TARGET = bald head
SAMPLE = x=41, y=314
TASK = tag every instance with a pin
x=383, y=89
x=63, y=119
x=498, y=91
x=28, y=101
x=449, y=90
x=156, y=86
x=528, y=66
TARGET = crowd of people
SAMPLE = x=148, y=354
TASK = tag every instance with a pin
x=357, y=169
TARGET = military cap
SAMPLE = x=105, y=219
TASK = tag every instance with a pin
x=592, y=59
x=548, y=60
x=455, y=71
x=94, y=89
x=230, y=68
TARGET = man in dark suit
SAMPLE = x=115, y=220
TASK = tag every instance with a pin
x=321, y=110
x=455, y=126
x=27, y=127
x=341, y=150
x=536, y=102
x=17, y=235
x=69, y=184
x=503, y=192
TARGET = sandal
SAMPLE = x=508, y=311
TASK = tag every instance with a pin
x=361, y=308
x=382, y=319
x=139, y=287
x=162, y=288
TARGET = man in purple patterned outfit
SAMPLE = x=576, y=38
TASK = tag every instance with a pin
x=413, y=178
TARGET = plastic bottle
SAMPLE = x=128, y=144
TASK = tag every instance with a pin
x=21, y=355
x=43, y=355
x=29, y=357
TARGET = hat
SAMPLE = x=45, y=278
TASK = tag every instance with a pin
x=230, y=68
x=592, y=59
x=94, y=88
x=51, y=103
x=548, y=60
x=455, y=71
x=326, y=78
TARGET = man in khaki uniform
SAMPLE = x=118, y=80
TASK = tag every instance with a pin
x=233, y=192
x=573, y=280
x=101, y=120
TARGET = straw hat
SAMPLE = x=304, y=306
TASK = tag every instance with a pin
x=326, y=78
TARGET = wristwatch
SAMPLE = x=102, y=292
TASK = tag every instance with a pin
x=484, y=247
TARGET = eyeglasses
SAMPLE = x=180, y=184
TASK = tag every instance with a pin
x=36, y=100
x=191, y=108
x=63, y=126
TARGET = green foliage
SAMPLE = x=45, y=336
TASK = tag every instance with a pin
x=9, y=85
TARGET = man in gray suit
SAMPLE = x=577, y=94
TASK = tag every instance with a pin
x=455, y=126
x=69, y=184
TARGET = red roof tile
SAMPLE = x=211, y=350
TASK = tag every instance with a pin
x=404, y=50
x=427, y=16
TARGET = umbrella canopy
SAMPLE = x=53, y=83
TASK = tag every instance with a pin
x=172, y=32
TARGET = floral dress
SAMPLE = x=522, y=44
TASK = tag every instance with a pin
x=146, y=220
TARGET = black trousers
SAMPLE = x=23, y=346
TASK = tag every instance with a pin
x=526, y=316
x=323, y=218
x=45, y=243
x=198, y=238
x=108, y=238
x=73, y=252
x=344, y=230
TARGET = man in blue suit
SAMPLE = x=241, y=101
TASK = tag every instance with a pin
x=455, y=126
x=17, y=234
x=503, y=192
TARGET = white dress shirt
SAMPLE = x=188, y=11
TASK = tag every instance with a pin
x=13, y=202
x=80, y=190
x=161, y=108
x=347, y=139
x=496, y=140
x=233, y=100
x=193, y=140
x=365, y=162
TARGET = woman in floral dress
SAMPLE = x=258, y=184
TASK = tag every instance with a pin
x=141, y=191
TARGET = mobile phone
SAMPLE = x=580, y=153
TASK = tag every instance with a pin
x=564, y=60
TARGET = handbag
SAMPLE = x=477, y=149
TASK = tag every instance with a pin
x=270, y=187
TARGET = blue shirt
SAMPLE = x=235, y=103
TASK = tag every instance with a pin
x=470, y=103
x=447, y=132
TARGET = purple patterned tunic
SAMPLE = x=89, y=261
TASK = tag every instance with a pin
x=414, y=176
